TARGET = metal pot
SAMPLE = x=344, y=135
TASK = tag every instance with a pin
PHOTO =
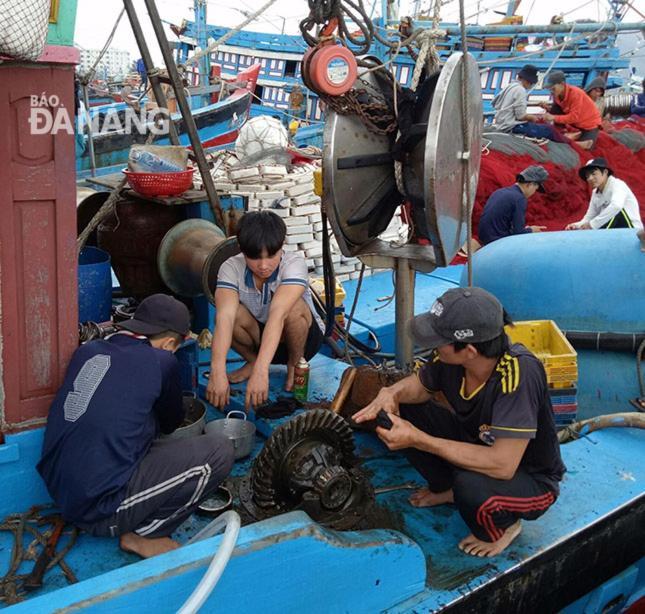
x=240, y=432
x=195, y=420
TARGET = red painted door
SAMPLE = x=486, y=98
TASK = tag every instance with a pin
x=38, y=283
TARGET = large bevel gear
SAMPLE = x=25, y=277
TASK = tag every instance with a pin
x=308, y=464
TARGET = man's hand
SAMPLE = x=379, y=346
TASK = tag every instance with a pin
x=544, y=105
x=385, y=399
x=218, y=392
x=257, y=388
x=548, y=117
x=402, y=434
x=537, y=228
x=578, y=226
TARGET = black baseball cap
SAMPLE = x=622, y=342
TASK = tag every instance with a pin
x=554, y=78
x=593, y=164
x=534, y=174
x=157, y=314
x=529, y=73
x=469, y=315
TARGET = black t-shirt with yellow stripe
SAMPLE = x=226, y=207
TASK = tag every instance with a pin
x=514, y=402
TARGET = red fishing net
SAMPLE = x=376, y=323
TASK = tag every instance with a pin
x=567, y=196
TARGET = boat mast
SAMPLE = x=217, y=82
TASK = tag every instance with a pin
x=201, y=38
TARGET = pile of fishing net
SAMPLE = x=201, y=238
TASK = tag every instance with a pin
x=567, y=196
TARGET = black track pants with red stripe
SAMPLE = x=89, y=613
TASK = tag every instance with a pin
x=487, y=505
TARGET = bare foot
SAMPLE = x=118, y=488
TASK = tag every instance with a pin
x=476, y=547
x=424, y=497
x=146, y=547
x=241, y=374
x=288, y=384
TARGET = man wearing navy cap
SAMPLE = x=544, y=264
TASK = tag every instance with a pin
x=505, y=210
x=101, y=461
x=489, y=443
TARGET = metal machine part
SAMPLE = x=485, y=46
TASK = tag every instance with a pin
x=308, y=464
x=190, y=255
x=361, y=194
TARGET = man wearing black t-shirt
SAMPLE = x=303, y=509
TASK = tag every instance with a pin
x=476, y=421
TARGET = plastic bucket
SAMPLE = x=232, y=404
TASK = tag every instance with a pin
x=94, y=285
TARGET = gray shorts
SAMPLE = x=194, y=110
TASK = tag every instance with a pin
x=168, y=485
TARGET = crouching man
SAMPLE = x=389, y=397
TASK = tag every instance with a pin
x=264, y=311
x=488, y=442
x=102, y=461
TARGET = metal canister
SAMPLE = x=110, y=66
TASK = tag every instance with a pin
x=301, y=381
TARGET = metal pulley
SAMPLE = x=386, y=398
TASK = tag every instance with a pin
x=361, y=192
x=308, y=464
x=190, y=256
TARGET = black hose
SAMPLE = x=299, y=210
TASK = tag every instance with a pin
x=611, y=342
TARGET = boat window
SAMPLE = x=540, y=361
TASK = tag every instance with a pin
x=290, y=68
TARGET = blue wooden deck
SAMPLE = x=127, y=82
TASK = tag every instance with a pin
x=289, y=563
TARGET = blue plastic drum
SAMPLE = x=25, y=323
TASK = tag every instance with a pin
x=94, y=285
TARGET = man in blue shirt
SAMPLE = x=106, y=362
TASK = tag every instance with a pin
x=102, y=462
x=505, y=211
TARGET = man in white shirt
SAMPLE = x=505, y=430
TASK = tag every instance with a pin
x=612, y=204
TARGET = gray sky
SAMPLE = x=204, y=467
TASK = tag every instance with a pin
x=95, y=18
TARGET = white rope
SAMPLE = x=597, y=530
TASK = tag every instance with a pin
x=87, y=77
x=220, y=41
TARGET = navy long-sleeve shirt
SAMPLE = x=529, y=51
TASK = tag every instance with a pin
x=117, y=395
x=504, y=215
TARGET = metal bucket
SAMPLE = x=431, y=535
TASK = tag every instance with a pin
x=94, y=285
x=190, y=255
x=195, y=419
x=240, y=432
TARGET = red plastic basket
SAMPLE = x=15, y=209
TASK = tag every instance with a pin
x=160, y=184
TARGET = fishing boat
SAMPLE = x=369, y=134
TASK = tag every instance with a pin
x=583, y=50
x=379, y=553
x=218, y=123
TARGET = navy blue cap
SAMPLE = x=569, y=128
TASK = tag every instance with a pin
x=159, y=313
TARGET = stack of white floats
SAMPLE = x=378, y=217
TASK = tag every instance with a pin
x=289, y=193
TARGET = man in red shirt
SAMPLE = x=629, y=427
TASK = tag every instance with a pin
x=572, y=107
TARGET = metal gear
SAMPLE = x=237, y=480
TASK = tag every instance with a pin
x=308, y=464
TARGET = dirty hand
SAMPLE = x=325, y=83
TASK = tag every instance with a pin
x=548, y=117
x=385, y=399
x=257, y=388
x=402, y=434
x=537, y=228
x=218, y=392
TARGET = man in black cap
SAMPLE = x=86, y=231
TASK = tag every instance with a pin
x=572, y=107
x=612, y=204
x=511, y=113
x=101, y=461
x=488, y=443
x=505, y=210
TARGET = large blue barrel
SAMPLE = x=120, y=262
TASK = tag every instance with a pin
x=590, y=280
x=94, y=285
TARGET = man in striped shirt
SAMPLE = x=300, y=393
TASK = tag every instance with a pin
x=264, y=311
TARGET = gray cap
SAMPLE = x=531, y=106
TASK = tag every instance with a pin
x=554, y=77
x=536, y=174
x=469, y=315
x=597, y=83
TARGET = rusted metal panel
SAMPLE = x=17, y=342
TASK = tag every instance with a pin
x=37, y=241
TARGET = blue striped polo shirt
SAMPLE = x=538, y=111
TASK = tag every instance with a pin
x=292, y=270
